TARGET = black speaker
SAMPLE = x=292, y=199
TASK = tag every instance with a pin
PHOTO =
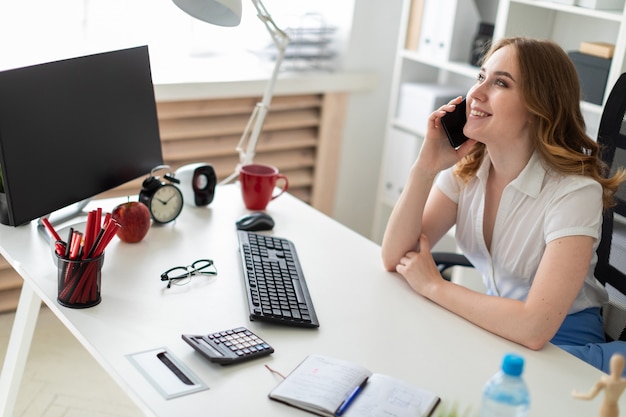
x=197, y=182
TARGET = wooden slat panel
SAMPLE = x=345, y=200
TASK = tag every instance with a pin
x=174, y=129
x=206, y=148
x=10, y=280
x=329, y=147
x=195, y=108
x=284, y=160
x=299, y=178
x=288, y=160
x=10, y=287
x=8, y=300
x=303, y=194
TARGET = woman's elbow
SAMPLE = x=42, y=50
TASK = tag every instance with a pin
x=389, y=266
x=535, y=342
x=389, y=262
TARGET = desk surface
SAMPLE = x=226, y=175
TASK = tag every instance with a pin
x=366, y=314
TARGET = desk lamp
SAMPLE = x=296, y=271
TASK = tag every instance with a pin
x=228, y=13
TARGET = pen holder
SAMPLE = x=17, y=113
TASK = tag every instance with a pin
x=79, y=281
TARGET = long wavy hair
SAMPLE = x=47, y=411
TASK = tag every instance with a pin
x=551, y=93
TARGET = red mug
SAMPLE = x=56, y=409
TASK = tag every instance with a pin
x=257, y=185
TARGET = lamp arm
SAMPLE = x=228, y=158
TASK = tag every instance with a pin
x=253, y=128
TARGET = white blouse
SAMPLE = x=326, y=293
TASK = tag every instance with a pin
x=535, y=208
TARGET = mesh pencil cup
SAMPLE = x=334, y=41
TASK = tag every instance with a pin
x=79, y=281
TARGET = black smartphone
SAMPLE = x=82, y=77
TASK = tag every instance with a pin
x=453, y=125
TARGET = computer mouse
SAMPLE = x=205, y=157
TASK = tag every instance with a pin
x=255, y=221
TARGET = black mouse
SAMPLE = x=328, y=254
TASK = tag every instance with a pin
x=255, y=221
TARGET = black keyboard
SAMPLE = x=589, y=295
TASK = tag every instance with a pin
x=275, y=285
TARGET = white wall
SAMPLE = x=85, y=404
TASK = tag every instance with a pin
x=38, y=31
x=371, y=47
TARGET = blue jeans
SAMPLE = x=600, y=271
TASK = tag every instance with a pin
x=582, y=335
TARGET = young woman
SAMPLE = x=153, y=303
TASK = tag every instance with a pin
x=526, y=194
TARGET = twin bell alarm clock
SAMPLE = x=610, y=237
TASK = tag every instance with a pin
x=163, y=199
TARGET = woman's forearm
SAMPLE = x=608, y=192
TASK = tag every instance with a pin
x=405, y=223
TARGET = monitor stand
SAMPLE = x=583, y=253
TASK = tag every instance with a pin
x=62, y=216
x=4, y=209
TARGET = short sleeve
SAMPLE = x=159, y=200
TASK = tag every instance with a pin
x=575, y=210
x=449, y=184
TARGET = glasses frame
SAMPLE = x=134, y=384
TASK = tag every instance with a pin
x=196, y=268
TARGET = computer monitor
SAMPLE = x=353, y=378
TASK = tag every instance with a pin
x=74, y=128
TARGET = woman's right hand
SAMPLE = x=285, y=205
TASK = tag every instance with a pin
x=436, y=153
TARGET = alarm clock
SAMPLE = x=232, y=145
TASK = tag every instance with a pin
x=163, y=199
x=197, y=182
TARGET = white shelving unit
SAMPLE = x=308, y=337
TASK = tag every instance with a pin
x=568, y=26
x=565, y=24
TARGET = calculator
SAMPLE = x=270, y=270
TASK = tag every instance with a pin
x=229, y=346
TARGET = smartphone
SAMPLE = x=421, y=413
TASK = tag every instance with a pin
x=453, y=125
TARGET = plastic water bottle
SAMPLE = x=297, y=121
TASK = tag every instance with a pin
x=506, y=393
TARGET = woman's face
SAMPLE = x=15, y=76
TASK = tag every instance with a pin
x=496, y=111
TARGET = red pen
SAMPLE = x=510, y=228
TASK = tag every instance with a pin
x=98, y=223
x=59, y=246
x=77, y=237
x=89, y=234
x=107, y=236
x=68, y=243
x=107, y=219
x=50, y=229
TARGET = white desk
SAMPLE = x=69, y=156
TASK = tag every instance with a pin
x=366, y=314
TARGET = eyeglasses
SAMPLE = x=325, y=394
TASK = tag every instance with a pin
x=181, y=275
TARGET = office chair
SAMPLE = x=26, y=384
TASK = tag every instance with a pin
x=611, y=266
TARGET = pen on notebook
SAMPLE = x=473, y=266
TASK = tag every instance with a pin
x=346, y=403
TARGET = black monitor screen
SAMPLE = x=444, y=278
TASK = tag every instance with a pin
x=72, y=129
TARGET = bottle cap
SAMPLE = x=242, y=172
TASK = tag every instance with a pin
x=512, y=364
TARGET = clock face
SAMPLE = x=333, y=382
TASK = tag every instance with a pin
x=166, y=203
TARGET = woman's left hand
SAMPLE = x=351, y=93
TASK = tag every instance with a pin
x=419, y=270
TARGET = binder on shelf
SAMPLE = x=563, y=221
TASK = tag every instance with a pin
x=599, y=49
x=402, y=150
x=593, y=74
x=447, y=29
x=416, y=101
x=414, y=25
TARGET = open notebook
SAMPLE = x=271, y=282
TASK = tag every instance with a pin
x=331, y=387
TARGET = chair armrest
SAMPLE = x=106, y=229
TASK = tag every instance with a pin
x=445, y=260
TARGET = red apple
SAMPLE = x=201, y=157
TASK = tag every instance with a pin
x=134, y=217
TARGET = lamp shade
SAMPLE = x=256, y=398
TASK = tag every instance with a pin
x=216, y=12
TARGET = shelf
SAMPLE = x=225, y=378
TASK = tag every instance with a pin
x=611, y=15
x=403, y=126
x=590, y=107
x=460, y=68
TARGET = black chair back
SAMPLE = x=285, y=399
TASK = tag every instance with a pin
x=612, y=140
x=611, y=267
